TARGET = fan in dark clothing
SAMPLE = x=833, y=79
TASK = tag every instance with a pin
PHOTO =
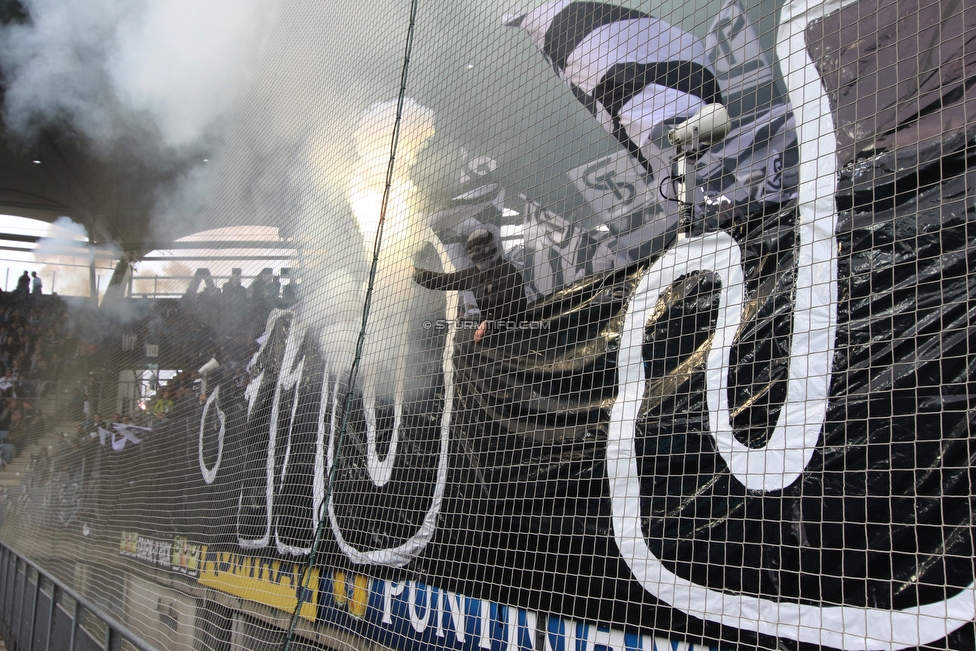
x=496, y=282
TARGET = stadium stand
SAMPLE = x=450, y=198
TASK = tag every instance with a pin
x=461, y=326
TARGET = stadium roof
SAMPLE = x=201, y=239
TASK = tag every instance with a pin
x=110, y=194
x=54, y=176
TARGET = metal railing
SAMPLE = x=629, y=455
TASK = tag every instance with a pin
x=38, y=612
x=156, y=286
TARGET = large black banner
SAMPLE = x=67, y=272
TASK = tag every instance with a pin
x=756, y=432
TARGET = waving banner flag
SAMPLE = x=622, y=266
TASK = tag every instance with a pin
x=742, y=69
x=557, y=253
x=614, y=186
x=609, y=57
x=756, y=164
x=632, y=71
x=629, y=204
x=119, y=435
x=476, y=200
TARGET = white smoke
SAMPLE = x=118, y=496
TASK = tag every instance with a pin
x=65, y=263
x=286, y=149
x=337, y=255
x=374, y=140
x=109, y=68
x=273, y=95
x=394, y=319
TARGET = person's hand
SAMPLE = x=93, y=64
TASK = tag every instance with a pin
x=479, y=334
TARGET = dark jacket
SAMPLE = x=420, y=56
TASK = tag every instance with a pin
x=498, y=288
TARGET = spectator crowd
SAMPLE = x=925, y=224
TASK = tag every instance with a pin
x=49, y=344
x=34, y=343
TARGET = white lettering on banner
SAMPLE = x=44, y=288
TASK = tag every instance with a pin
x=843, y=627
x=381, y=470
x=288, y=378
x=485, y=641
x=519, y=625
x=594, y=637
x=864, y=628
x=785, y=456
x=512, y=626
x=569, y=635
x=390, y=589
x=413, y=591
x=324, y=450
x=251, y=393
x=411, y=548
x=209, y=474
x=452, y=602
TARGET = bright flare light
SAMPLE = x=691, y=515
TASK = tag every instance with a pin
x=367, y=204
x=374, y=135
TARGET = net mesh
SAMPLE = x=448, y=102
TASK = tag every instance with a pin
x=459, y=326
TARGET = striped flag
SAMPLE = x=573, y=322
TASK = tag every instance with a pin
x=736, y=56
x=754, y=165
x=476, y=200
x=632, y=71
x=557, y=253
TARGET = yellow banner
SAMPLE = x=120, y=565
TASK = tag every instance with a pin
x=268, y=581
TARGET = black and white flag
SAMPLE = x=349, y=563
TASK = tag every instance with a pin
x=477, y=199
x=557, y=253
x=628, y=203
x=614, y=186
x=756, y=163
x=736, y=56
x=632, y=71
x=119, y=435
